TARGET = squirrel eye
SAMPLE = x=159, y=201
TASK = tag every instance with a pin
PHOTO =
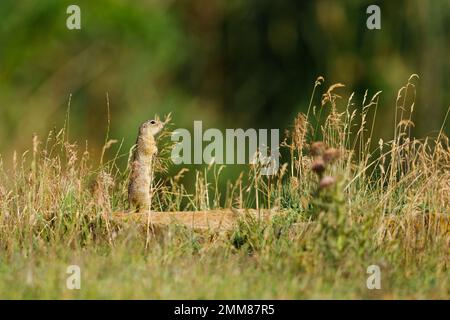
x=152, y=122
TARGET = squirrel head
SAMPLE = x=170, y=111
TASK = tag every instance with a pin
x=151, y=127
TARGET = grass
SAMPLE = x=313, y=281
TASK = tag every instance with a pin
x=342, y=205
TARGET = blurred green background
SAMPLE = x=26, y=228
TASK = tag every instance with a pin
x=230, y=63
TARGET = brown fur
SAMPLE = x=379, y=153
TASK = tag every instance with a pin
x=141, y=176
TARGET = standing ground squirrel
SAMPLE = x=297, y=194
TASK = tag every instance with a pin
x=141, y=166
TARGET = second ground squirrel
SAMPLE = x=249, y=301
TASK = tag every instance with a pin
x=141, y=165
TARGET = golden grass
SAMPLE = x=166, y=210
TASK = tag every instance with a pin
x=384, y=202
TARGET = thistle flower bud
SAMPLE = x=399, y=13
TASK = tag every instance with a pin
x=317, y=148
x=318, y=166
x=330, y=155
x=326, y=182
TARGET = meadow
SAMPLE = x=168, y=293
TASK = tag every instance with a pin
x=342, y=200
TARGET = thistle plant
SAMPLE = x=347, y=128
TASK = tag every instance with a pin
x=333, y=228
